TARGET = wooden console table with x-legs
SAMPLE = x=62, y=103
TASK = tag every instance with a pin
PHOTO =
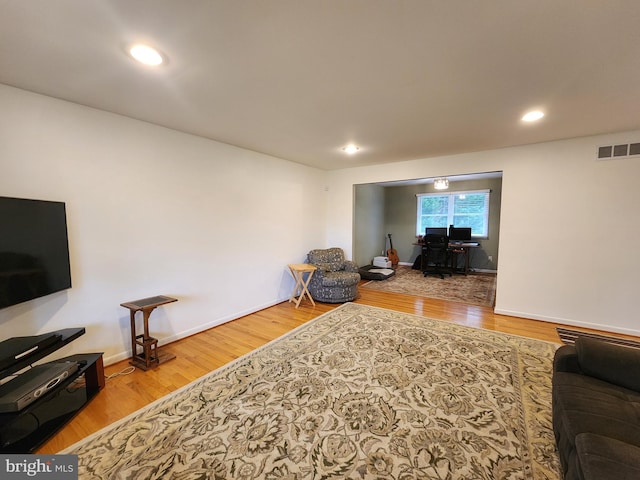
x=149, y=357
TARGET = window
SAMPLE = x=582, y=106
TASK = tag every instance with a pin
x=462, y=209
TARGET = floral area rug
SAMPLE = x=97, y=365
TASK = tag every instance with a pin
x=358, y=393
x=474, y=289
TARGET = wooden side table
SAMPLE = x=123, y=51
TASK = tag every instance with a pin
x=149, y=357
x=301, y=288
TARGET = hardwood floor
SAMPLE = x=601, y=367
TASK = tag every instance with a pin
x=206, y=351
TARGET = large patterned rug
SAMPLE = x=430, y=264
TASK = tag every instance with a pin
x=474, y=289
x=358, y=393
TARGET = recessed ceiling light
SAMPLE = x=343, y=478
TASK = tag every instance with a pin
x=145, y=54
x=351, y=149
x=532, y=116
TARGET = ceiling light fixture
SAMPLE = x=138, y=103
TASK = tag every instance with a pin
x=145, y=54
x=441, y=183
x=532, y=116
x=351, y=149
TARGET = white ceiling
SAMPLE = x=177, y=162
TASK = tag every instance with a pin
x=299, y=79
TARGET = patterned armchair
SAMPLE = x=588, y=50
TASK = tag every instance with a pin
x=336, y=279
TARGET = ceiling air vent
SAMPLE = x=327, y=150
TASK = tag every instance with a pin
x=619, y=151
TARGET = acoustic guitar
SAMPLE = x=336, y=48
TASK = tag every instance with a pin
x=392, y=254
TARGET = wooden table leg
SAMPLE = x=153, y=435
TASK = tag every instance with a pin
x=145, y=318
x=301, y=287
x=466, y=261
x=305, y=289
x=296, y=288
x=132, y=315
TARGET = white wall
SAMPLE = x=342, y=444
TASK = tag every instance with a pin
x=564, y=218
x=154, y=211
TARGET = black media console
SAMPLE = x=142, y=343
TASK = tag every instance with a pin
x=33, y=410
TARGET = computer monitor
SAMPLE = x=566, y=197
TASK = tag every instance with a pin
x=435, y=231
x=459, y=233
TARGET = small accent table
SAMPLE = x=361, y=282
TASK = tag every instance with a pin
x=149, y=357
x=301, y=288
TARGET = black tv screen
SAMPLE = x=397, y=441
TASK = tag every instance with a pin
x=34, y=249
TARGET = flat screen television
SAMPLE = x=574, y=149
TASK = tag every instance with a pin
x=34, y=249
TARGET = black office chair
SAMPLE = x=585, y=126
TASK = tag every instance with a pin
x=435, y=255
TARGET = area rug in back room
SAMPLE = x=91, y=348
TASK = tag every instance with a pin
x=359, y=392
x=473, y=289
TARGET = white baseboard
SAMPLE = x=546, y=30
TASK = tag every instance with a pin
x=567, y=322
x=124, y=355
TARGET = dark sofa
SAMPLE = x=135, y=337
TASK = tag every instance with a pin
x=596, y=410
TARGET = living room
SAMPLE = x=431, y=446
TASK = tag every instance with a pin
x=158, y=211
x=153, y=210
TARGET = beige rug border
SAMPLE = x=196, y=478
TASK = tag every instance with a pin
x=232, y=363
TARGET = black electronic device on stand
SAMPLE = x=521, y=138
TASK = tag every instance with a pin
x=39, y=400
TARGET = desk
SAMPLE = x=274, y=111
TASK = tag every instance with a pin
x=149, y=357
x=463, y=248
x=301, y=288
x=456, y=248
